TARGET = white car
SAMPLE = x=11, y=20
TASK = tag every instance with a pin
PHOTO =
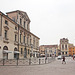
x=59, y=57
x=74, y=56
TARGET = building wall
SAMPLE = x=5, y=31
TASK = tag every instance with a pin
x=48, y=49
x=0, y=25
x=72, y=51
x=64, y=46
x=10, y=41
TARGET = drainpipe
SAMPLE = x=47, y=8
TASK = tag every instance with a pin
x=18, y=41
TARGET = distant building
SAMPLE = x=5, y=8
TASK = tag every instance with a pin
x=64, y=46
x=16, y=40
x=72, y=51
x=48, y=49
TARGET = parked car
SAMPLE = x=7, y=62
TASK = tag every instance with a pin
x=59, y=57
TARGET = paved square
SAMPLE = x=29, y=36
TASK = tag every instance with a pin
x=54, y=68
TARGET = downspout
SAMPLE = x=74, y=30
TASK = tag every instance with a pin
x=1, y=26
x=18, y=39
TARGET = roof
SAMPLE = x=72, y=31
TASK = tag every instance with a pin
x=19, y=12
x=50, y=46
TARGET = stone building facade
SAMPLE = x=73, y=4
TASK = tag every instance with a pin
x=16, y=40
x=64, y=46
x=48, y=50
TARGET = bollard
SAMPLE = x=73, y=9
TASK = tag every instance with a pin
x=3, y=61
x=17, y=61
x=45, y=60
x=30, y=61
x=39, y=61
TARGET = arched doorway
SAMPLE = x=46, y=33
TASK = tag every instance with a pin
x=5, y=55
x=16, y=55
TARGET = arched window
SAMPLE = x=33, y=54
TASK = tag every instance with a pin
x=5, y=54
x=15, y=49
x=5, y=48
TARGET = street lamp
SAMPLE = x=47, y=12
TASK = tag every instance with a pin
x=31, y=50
x=45, y=53
x=25, y=52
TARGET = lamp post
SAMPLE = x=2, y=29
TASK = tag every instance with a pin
x=18, y=42
x=45, y=53
x=31, y=50
x=25, y=52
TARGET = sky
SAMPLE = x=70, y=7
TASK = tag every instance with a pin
x=51, y=20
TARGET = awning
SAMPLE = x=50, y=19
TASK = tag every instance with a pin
x=16, y=52
x=7, y=51
x=42, y=54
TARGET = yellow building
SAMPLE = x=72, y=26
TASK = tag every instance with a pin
x=72, y=51
x=16, y=40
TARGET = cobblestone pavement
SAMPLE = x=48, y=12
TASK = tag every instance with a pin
x=53, y=68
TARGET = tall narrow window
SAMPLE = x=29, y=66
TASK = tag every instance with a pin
x=28, y=51
x=24, y=24
x=6, y=22
x=21, y=51
x=66, y=47
x=15, y=37
x=63, y=47
x=20, y=37
x=24, y=39
x=30, y=40
x=15, y=28
x=27, y=40
x=5, y=33
x=20, y=21
x=27, y=26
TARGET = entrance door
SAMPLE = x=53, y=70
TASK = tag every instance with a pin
x=16, y=55
x=25, y=53
x=5, y=55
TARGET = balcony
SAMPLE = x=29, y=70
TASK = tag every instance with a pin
x=5, y=40
x=16, y=42
x=16, y=31
x=6, y=27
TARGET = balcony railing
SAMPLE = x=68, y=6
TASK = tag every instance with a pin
x=5, y=40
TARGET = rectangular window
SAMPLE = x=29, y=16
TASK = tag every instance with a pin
x=27, y=26
x=66, y=47
x=20, y=38
x=15, y=28
x=24, y=39
x=27, y=40
x=5, y=33
x=28, y=51
x=20, y=21
x=62, y=47
x=21, y=51
x=24, y=24
x=30, y=40
x=15, y=37
x=6, y=22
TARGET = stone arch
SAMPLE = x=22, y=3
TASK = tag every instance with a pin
x=5, y=48
x=15, y=49
x=5, y=54
x=16, y=55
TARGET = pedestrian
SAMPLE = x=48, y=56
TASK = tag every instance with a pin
x=73, y=57
x=63, y=60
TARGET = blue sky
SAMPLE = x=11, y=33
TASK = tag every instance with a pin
x=51, y=20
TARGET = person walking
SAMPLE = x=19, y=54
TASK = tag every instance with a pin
x=63, y=60
x=73, y=57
